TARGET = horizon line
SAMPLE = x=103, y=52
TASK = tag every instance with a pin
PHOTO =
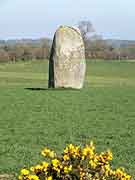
x=39, y=38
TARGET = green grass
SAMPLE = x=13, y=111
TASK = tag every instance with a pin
x=103, y=111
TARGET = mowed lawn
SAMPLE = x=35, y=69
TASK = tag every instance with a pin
x=32, y=117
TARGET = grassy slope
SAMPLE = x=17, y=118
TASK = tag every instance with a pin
x=104, y=111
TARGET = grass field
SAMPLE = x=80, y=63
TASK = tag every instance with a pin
x=31, y=116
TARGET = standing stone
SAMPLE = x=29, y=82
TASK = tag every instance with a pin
x=67, y=61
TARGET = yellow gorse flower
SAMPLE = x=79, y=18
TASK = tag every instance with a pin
x=40, y=167
x=49, y=178
x=57, y=166
x=28, y=177
x=48, y=153
x=82, y=175
x=67, y=169
x=88, y=151
x=20, y=177
x=45, y=165
x=93, y=163
x=121, y=174
x=66, y=157
x=84, y=162
x=32, y=177
x=71, y=151
x=24, y=172
x=55, y=162
x=104, y=157
x=37, y=168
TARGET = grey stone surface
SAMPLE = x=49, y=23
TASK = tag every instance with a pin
x=67, y=64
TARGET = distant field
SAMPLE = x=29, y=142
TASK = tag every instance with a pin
x=31, y=116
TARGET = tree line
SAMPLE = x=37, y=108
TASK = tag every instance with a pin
x=24, y=50
x=95, y=47
x=98, y=48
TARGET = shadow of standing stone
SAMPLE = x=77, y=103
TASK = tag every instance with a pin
x=67, y=64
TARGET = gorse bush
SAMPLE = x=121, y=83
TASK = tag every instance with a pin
x=75, y=163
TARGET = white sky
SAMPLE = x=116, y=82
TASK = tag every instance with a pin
x=40, y=18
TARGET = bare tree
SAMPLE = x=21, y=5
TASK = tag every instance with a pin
x=86, y=29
